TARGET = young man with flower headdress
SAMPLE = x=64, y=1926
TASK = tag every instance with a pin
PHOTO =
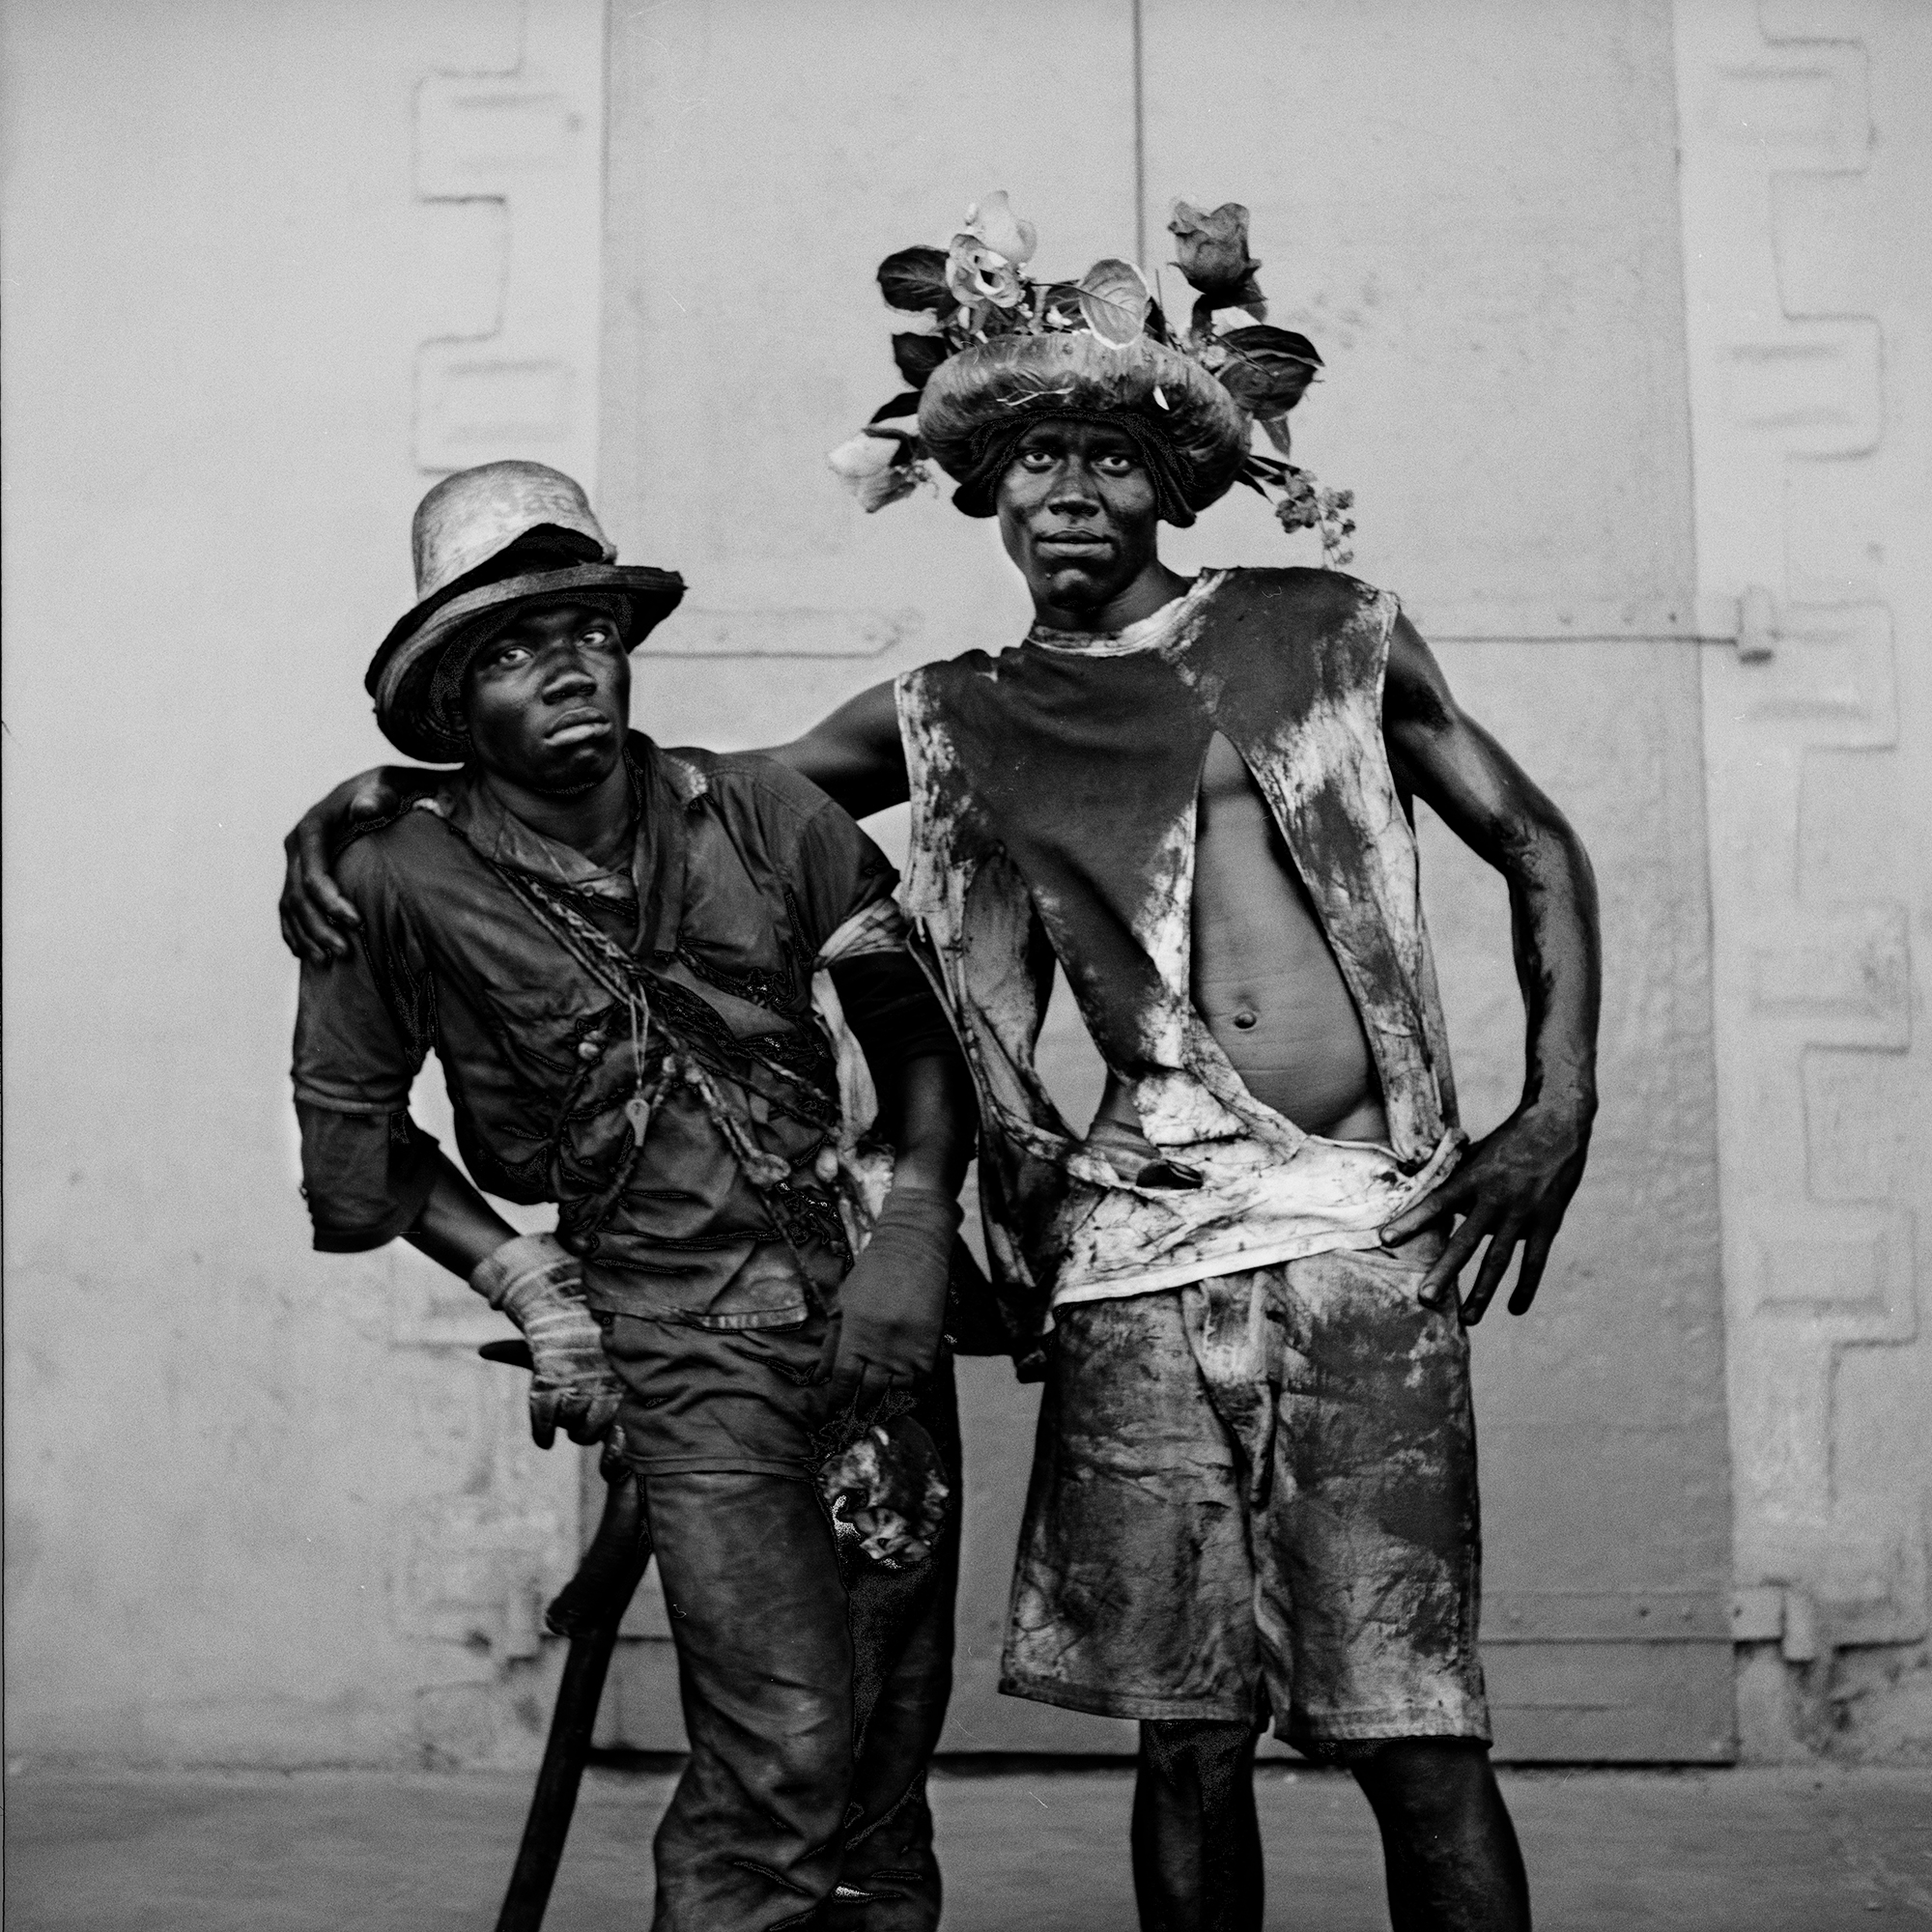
x=670, y=993
x=1254, y=1489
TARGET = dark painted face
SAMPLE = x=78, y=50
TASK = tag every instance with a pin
x=548, y=699
x=1078, y=512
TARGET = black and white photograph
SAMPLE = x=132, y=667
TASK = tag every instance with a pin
x=966, y=964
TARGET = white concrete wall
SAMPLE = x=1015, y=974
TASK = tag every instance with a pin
x=268, y=264
x=1807, y=173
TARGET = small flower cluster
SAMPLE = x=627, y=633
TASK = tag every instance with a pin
x=980, y=289
x=1305, y=505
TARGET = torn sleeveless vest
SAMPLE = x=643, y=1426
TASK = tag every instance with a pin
x=1054, y=792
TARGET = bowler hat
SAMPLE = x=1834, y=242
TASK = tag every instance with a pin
x=486, y=539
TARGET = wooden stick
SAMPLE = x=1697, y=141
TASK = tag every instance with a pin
x=555, y=1799
x=587, y=1610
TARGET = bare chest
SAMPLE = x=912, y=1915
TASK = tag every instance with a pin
x=1263, y=975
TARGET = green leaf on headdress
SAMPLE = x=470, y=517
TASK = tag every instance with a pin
x=1265, y=369
x=919, y=355
x=913, y=281
x=1114, y=301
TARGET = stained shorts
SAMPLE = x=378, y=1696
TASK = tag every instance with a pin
x=1256, y=1495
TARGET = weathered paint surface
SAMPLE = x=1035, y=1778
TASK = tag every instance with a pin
x=1807, y=172
x=1054, y=793
x=265, y=1506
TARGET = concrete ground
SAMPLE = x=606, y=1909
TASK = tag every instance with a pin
x=1729, y=1851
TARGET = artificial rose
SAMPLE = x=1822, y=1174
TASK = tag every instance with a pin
x=913, y=281
x=919, y=355
x=879, y=466
x=981, y=277
x=1213, y=256
x=995, y=226
x=1265, y=370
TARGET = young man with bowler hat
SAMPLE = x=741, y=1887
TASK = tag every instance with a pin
x=670, y=993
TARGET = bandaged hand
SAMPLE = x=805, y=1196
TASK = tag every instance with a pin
x=891, y=1307
x=539, y=1284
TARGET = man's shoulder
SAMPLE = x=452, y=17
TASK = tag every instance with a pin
x=409, y=843
x=783, y=826
x=949, y=673
x=747, y=783
x=1287, y=621
x=1297, y=589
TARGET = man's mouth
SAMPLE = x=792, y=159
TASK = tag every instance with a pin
x=578, y=726
x=1074, y=543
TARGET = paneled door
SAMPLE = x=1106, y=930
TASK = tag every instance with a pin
x=1481, y=253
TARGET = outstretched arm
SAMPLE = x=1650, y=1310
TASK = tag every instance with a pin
x=1515, y=1186
x=854, y=753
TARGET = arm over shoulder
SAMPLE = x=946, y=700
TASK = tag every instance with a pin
x=362, y=1030
x=853, y=754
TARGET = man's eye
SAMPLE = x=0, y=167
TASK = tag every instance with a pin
x=600, y=640
x=508, y=657
x=1114, y=466
x=1036, y=459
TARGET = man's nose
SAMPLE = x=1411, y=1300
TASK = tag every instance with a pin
x=568, y=673
x=1074, y=489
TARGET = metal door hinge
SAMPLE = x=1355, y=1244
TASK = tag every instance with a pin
x=1758, y=625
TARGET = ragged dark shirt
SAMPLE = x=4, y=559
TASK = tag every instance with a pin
x=480, y=942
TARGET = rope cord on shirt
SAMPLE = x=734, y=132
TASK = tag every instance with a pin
x=619, y=973
x=793, y=1213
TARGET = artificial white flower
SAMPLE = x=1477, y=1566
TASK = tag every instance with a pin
x=995, y=226
x=877, y=466
x=980, y=275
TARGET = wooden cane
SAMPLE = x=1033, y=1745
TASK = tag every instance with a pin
x=587, y=1610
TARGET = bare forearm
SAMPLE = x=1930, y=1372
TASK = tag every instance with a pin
x=457, y=1227
x=1558, y=965
x=853, y=754
x=1513, y=1188
x=891, y=1307
x=938, y=1124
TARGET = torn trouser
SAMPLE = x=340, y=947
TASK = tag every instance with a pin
x=814, y=1687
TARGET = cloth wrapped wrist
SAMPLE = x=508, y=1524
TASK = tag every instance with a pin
x=525, y=1268
x=913, y=1236
x=540, y=1287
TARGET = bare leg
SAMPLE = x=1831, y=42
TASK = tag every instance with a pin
x=1196, y=1843
x=1447, y=1841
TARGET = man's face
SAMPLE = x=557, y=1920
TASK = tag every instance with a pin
x=549, y=698
x=1078, y=513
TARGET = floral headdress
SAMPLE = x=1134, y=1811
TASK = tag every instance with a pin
x=987, y=349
